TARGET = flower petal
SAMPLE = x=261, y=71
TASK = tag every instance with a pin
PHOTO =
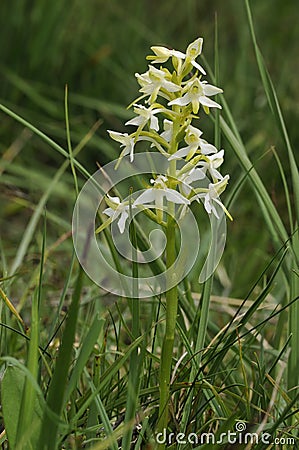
x=147, y=196
x=209, y=90
x=170, y=87
x=135, y=121
x=207, y=148
x=181, y=101
x=122, y=221
x=119, y=137
x=194, y=49
x=180, y=153
x=115, y=200
x=154, y=124
x=209, y=103
x=208, y=204
x=195, y=175
x=198, y=67
x=176, y=197
x=109, y=212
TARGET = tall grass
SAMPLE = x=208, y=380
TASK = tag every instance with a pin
x=80, y=368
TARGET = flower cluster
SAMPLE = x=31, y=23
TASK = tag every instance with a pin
x=170, y=100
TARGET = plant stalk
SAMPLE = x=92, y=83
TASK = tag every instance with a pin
x=171, y=317
x=168, y=341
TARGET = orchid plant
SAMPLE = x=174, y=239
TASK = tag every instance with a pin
x=171, y=98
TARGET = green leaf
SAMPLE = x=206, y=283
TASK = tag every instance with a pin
x=11, y=393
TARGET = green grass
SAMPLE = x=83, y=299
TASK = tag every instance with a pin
x=80, y=367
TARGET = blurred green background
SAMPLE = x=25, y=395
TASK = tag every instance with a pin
x=95, y=47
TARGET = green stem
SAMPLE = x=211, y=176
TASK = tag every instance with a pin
x=171, y=316
x=167, y=347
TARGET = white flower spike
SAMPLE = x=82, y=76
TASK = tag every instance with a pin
x=172, y=97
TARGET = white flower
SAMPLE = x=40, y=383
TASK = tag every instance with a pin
x=117, y=210
x=194, y=141
x=211, y=196
x=153, y=80
x=156, y=194
x=126, y=141
x=189, y=177
x=193, y=51
x=162, y=54
x=212, y=163
x=198, y=93
x=145, y=115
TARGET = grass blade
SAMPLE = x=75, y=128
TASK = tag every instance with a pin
x=293, y=376
x=275, y=108
x=58, y=384
x=29, y=394
x=95, y=332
